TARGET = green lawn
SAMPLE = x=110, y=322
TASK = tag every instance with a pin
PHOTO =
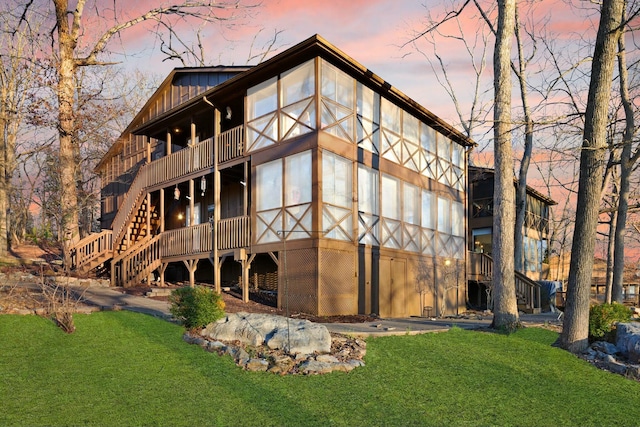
x=123, y=368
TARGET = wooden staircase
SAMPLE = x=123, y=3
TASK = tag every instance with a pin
x=93, y=251
x=132, y=251
x=480, y=269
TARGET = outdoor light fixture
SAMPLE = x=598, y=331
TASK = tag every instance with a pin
x=180, y=216
x=176, y=193
x=203, y=185
x=244, y=184
x=228, y=113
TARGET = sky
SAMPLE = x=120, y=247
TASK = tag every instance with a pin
x=370, y=31
x=374, y=33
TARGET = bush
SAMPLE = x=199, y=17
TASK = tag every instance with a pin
x=603, y=317
x=197, y=306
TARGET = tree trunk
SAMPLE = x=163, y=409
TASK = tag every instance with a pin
x=66, y=117
x=626, y=168
x=610, y=251
x=575, y=332
x=521, y=192
x=505, y=302
x=4, y=193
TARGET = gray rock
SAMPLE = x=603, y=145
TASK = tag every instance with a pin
x=313, y=367
x=256, y=364
x=326, y=358
x=604, y=347
x=277, y=332
x=628, y=340
x=301, y=337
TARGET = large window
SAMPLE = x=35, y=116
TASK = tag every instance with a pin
x=338, y=97
x=368, y=206
x=337, y=199
x=391, y=233
x=272, y=118
x=283, y=205
x=368, y=119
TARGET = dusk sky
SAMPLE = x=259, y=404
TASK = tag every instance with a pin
x=371, y=32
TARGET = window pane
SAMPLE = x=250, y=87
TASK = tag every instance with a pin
x=457, y=219
x=428, y=138
x=410, y=128
x=444, y=148
x=390, y=197
x=298, y=83
x=269, y=185
x=262, y=99
x=390, y=116
x=298, y=179
x=444, y=215
x=367, y=190
x=411, y=204
x=336, y=180
x=337, y=86
x=427, y=210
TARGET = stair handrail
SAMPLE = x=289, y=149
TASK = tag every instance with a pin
x=141, y=261
x=91, y=247
x=525, y=287
x=160, y=171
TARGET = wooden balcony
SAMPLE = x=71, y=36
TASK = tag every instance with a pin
x=231, y=144
x=197, y=241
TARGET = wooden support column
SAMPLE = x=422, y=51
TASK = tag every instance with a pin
x=150, y=275
x=216, y=200
x=193, y=133
x=192, y=214
x=148, y=149
x=162, y=210
x=163, y=268
x=192, y=266
x=246, y=266
x=245, y=201
x=168, y=141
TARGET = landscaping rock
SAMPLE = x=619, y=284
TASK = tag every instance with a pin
x=345, y=353
x=604, y=347
x=277, y=332
x=628, y=340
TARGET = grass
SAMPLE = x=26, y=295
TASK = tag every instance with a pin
x=123, y=368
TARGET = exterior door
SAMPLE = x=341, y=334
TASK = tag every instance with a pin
x=393, y=279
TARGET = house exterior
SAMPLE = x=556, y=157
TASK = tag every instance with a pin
x=307, y=175
x=535, y=239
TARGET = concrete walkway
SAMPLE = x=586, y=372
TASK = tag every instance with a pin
x=109, y=299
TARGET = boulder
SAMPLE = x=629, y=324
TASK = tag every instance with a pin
x=628, y=340
x=277, y=332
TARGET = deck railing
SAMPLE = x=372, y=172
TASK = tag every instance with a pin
x=231, y=144
x=178, y=164
x=480, y=268
x=91, y=248
x=192, y=240
x=198, y=239
x=234, y=233
x=139, y=263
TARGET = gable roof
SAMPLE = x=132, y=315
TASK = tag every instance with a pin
x=310, y=48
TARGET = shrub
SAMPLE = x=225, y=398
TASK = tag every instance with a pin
x=603, y=317
x=197, y=306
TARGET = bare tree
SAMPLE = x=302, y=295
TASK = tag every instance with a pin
x=574, y=336
x=628, y=159
x=505, y=303
x=75, y=48
x=18, y=70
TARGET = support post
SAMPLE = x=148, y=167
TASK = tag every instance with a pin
x=216, y=200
